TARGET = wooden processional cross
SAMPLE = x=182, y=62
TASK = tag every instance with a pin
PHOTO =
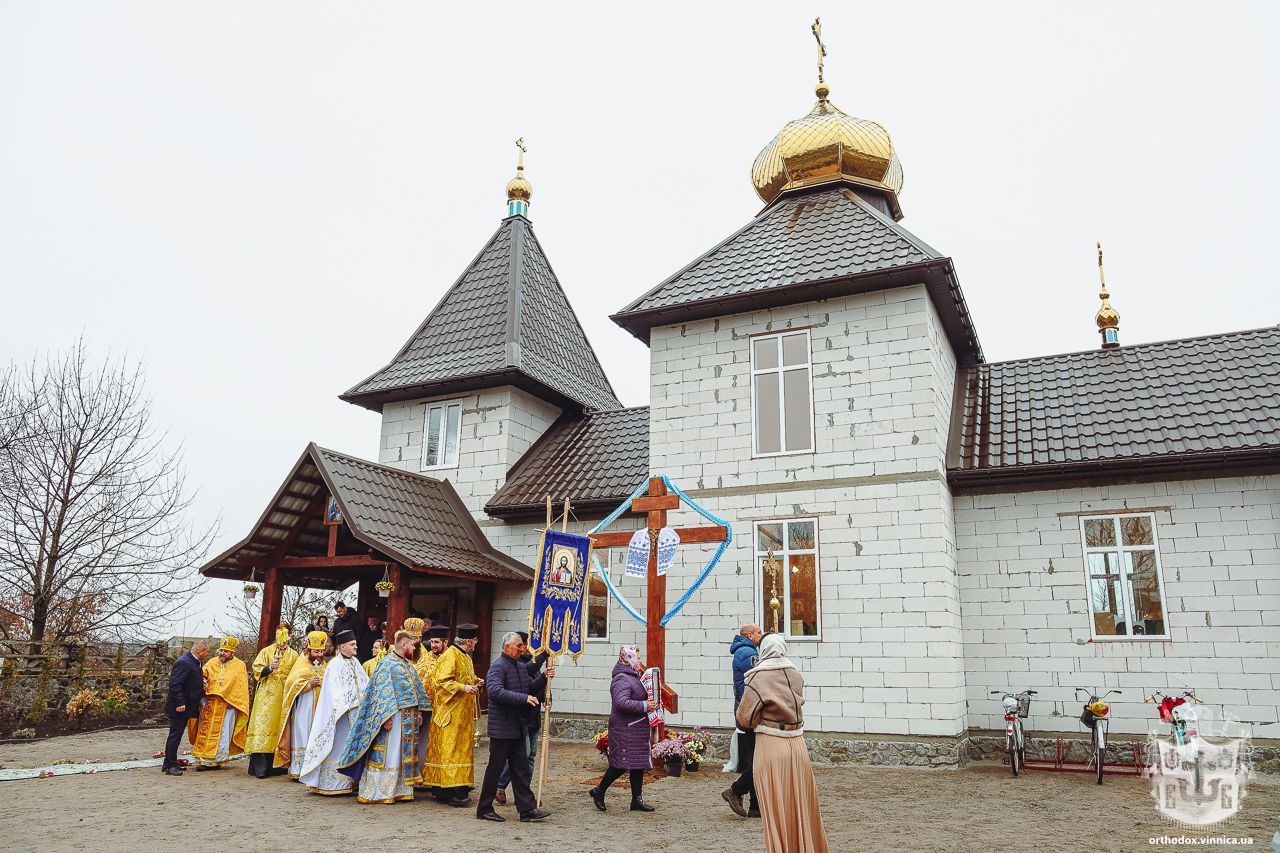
x=656, y=504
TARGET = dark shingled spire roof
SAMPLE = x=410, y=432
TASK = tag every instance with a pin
x=810, y=244
x=1173, y=408
x=505, y=321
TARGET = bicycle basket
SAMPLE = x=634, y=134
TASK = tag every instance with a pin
x=1089, y=718
x=1024, y=706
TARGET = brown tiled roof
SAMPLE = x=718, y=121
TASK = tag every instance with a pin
x=414, y=520
x=505, y=321
x=809, y=244
x=595, y=460
x=1173, y=406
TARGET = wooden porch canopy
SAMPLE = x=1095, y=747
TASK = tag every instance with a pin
x=393, y=521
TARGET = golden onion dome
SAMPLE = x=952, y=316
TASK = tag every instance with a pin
x=518, y=189
x=1108, y=317
x=828, y=145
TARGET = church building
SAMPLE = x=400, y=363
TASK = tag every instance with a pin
x=924, y=526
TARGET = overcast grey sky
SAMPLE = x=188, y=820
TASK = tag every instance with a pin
x=262, y=201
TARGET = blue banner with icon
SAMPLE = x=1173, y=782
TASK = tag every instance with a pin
x=558, y=611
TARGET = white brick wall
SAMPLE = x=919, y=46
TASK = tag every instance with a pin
x=1023, y=601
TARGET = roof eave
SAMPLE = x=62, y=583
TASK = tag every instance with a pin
x=583, y=508
x=375, y=400
x=1129, y=469
x=937, y=274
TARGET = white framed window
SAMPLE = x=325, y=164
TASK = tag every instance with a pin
x=598, y=599
x=1122, y=575
x=440, y=435
x=788, y=590
x=781, y=394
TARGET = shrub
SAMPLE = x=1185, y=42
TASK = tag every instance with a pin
x=115, y=703
x=25, y=734
x=84, y=705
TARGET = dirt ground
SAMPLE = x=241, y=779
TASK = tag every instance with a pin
x=880, y=809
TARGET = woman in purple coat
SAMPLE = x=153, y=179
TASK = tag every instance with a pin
x=628, y=730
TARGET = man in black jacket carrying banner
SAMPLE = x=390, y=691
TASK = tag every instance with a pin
x=512, y=705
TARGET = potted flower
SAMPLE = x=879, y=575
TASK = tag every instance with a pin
x=384, y=588
x=672, y=751
x=602, y=743
x=698, y=741
x=250, y=591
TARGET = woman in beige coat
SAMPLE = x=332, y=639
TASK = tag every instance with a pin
x=771, y=705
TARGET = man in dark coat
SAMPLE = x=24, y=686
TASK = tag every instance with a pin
x=365, y=637
x=534, y=665
x=186, y=690
x=745, y=650
x=511, y=705
x=345, y=619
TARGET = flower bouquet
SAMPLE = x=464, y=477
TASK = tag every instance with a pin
x=673, y=751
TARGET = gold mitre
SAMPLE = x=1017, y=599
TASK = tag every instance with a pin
x=414, y=626
x=317, y=640
x=228, y=644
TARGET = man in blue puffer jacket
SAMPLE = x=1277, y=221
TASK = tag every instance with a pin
x=744, y=649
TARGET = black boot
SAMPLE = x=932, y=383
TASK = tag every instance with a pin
x=639, y=805
x=597, y=797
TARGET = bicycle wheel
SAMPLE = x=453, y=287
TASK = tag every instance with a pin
x=1098, y=751
x=1022, y=746
x=1011, y=747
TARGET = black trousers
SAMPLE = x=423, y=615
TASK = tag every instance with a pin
x=745, y=785
x=504, y=752
x=177, y=728
x=614, y=773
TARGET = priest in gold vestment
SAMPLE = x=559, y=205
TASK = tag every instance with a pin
x=220, y=731
x=379, y=652
x=437, y=638
x=299, y=705
x=451, y=745
x=381, y=752
x=271, y=667
x=340, y=693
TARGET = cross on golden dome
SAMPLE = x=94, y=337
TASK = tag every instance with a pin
x=827, y=146
x=519, y=191
x=1108, y=319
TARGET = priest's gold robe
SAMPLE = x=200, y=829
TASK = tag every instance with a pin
x=265, y=720
x=450, y=744
x=426, y=665
x=372, y=663
x=298, y=710
x=220, y=731
x=426, y=668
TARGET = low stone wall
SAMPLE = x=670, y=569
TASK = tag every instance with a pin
x=832, y=750
x=63, y=678
x=987, y=745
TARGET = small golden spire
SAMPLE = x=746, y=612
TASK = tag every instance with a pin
x=519, y=190
x=1108, y=319
x=821, y=88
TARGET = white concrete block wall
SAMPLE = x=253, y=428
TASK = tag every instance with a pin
x=498, y=426
x=890, y=659
x=1022, y=589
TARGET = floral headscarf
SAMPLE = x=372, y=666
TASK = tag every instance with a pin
x=630, y=655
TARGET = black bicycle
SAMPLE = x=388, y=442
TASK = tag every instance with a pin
x=1096, y=717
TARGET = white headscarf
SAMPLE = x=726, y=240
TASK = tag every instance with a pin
x=773, y=653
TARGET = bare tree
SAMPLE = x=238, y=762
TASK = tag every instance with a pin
x=93, y=534
x=299, y=607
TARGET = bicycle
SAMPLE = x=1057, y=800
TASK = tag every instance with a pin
x=1180, y=714
x=1016, y=707
x=1095, y=717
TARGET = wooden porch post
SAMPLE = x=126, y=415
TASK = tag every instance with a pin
x=272, y=601
x=398, y=603
x=484, y=622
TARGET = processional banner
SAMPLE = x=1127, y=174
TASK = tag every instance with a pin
x=652, y=681
x=558, y=610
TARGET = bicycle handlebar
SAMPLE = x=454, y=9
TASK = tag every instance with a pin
x=1004, y=693
x=1092, y=692
x=1157, y=695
